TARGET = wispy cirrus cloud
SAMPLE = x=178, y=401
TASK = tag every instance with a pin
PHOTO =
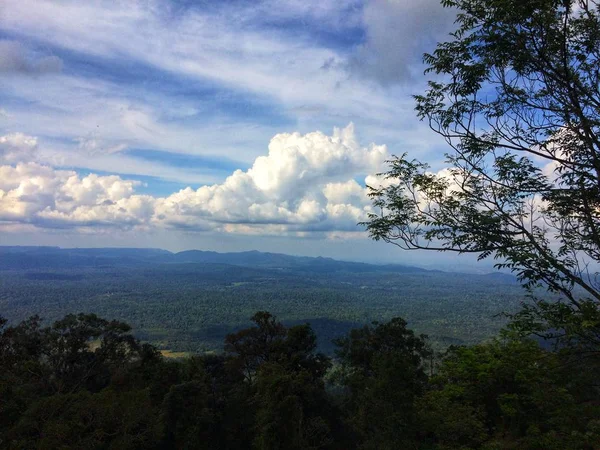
x=230, y=49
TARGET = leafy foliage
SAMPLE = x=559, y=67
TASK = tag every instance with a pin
x=271, y=390
x=516, y=98
x=382, y=367
x=510, y=394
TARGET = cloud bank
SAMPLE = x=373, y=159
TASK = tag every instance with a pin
x=305, y=183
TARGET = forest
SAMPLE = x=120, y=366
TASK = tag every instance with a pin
x=85, y=382
x=190, y=306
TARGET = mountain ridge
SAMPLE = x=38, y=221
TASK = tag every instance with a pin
x=19, y=257
x=54, y=257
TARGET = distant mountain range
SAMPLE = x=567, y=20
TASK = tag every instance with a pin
x=23, y=257
x=33, y=258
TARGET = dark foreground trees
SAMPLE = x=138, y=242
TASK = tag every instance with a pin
x=87, y=383
x=382, y=368
x=516, y=96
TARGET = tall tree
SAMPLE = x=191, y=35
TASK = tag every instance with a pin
x=516, y=95
x=284, y=378
x=382, y=368
x=509, y=394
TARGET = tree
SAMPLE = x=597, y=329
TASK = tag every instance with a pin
x=22, y=375
x=516, y=96
x=284, y=378
x=207, y=407
x=86, y=350
x=509, y=394
x=251, y=347
x=270, y=341
x=382, y=366
x=292, y=409
x=83, y=382
x=107, y=419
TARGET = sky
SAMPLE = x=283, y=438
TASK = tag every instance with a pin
x=228, y=126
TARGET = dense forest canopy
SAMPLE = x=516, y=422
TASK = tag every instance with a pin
x=85, y=382
x=190, y=306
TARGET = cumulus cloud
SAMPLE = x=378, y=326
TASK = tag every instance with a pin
x=14, y=58
x=305, y=183
x=40, y=195
x=398, y=32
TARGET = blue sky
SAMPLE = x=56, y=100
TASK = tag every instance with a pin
x=227, y=125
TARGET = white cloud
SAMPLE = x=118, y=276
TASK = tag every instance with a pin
x=42, y=196
x=305, y=183
x=99, y=117
x=195, y=44
x=92, y=145
x=275, y=68
x=232, y=51
x=217, y=80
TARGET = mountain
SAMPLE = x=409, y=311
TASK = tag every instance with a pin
x=12, y=258
x=281, y=261
x=18, y=258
